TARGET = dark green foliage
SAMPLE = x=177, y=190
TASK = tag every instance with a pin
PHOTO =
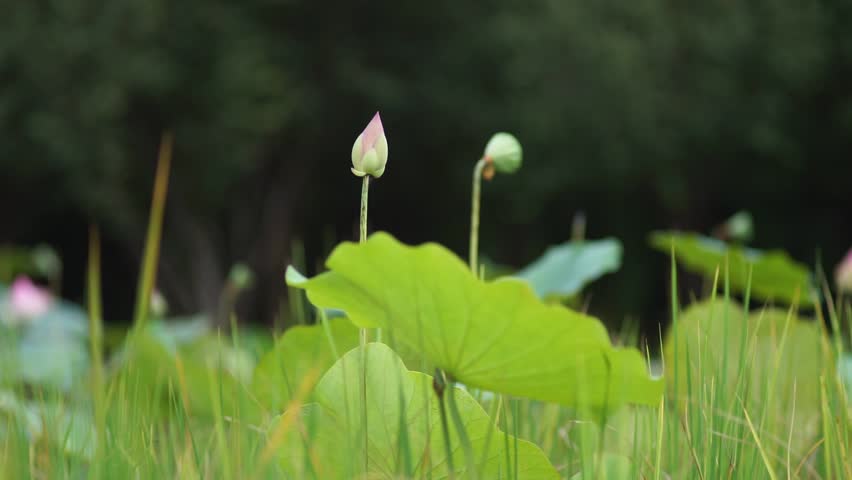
x=637, y=112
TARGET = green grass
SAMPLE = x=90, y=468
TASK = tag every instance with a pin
x=753, y=392
x=729, y=422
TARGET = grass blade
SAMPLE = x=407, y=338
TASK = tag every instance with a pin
x=93, y=285
x=155, y=229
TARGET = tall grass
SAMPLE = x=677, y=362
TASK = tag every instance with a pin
x=728, y=412
x=729, y=422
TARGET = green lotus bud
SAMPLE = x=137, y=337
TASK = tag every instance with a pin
x=159, y=306
x=46, y=261
x=241, y=276
x=370, y=150
x=504, y=151
x=740, y=227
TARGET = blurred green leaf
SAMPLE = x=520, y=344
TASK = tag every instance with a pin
x=49, y=350
x=256, y=341
x=207, y=371
x=300, y=350
x=495, y=336
x=177, y=331
x=403, y=427
x=72, y=429
x=565, y=269
x=774, y=275
x=845, y=368
x=15, y=410
x=38, y=261
x=769, y=360
x=610, y=467
x=51, y=360
x=68, y=428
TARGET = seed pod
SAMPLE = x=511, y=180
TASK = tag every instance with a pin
x=504, y=151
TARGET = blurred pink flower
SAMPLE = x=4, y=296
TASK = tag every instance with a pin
x=843, y=274
x=28, y=300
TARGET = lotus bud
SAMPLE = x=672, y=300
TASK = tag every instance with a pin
x=241, y=276
x=740, y=227
x=27, y=300
x=370, y=150
x=46, y=261
x=843, y=274
x=159, y=305
x=504, y=152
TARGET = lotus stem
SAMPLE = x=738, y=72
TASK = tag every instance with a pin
x=474, y=214
x=362, y=333
x=365, y=189
x=471, y=471
x=439, y=384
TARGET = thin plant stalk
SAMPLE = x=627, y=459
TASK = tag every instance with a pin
x=493, y=411
x=440, y=378
x=674, y=332
x=462, y=434
x=362, y=332
x=474, y=213
x=507, y=453
x=365, y=190
x=148, y=274
x=96, y=343
x=439, y=385
x=297, y=307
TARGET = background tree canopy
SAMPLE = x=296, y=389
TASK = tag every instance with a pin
x=645, y=115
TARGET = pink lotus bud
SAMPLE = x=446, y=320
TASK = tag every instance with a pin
x=27, y=300
x=843, y=274
x=370, y=150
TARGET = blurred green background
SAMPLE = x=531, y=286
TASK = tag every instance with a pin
x=645, y=115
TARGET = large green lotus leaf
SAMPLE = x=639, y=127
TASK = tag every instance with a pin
x=403, y=427
x=774, y=275
x=784, y=358
x=495, y=336
x=565, y=269
x=301, y=353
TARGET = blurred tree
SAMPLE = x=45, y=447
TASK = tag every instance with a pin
x=644, y=114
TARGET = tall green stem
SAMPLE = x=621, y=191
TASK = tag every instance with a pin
x=365, y=190
x=439, y=384
x=470, y=472
x=474, y=214
x=93, y=285
x=148, y=274
x=362, y=333
x=440, y=378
